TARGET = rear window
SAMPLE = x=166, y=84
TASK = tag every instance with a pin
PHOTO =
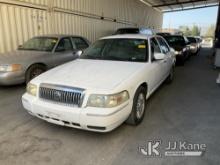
x=175, y=40
x=191, y=39
x=128, y=31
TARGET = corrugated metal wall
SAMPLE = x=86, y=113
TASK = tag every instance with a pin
x=23, y=19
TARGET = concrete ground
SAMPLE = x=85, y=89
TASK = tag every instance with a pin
x=187, y=110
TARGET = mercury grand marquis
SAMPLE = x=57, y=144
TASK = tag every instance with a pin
x=108, y=85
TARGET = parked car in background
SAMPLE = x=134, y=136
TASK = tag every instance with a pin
x=38, y=55
x=199, y=41
x=107, y=85
x=181, y=46
x=194, y=45
x=208, y=42
x=132, y=30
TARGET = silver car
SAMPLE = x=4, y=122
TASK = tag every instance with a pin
x=38, y=55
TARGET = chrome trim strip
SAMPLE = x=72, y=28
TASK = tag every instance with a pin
x=110, y=114
x=63, y=88
x=77, y=93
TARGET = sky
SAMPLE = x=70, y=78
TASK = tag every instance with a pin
x=201, y=17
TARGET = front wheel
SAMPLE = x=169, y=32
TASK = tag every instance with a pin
x=34, y=71
x=138, y=108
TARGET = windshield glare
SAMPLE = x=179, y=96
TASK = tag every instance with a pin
x=118, y=49
x=40, y=44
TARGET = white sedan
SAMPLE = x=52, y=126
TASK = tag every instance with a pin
x=109, y=84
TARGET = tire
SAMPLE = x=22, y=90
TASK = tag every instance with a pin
x=170, y=78
x=138, y=111
x=34, y=71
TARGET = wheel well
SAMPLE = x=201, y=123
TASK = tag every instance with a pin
x=144, y=85
x=42, y=64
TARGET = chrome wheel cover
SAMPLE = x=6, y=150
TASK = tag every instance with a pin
x=140, y=107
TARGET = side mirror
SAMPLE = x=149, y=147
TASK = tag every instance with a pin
x=77, y=53
x=159, y=56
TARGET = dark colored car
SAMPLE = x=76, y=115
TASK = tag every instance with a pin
x=131, y=30
x=163, y=34
x=181, y=46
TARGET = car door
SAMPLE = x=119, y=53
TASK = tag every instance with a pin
x=156, y=69
x=63, y=52
x=168, y=61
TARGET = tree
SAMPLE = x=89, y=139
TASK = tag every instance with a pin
x=195, y=31
x=185, y=29
x=211, y=31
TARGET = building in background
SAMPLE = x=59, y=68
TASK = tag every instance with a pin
x=23, y=19
x=171, y=31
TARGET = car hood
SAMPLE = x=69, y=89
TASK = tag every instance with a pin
x=90, y=74
x=19, y=56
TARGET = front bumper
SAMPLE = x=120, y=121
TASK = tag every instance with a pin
x=11, y=78
x=87, y=118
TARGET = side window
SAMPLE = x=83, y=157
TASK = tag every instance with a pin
x=155, y=48
x=80, y=43
x=64, y=45
x=164, y=47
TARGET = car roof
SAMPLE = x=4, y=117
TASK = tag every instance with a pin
x=58, y=35
x=136, y=36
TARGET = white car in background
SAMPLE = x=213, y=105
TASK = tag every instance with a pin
x=107, y=85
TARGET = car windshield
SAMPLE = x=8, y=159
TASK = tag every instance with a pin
x=175, y=40
x=191, y=39
x=40, y=44
x=135, y=50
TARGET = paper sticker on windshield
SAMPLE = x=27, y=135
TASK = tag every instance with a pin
x=141, y=46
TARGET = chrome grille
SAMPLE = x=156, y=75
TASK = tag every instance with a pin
x=62, y=94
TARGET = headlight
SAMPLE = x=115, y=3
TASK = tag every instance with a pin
x=178, y=52
x=107, y=101
x=10, y=68
x=32, y=89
